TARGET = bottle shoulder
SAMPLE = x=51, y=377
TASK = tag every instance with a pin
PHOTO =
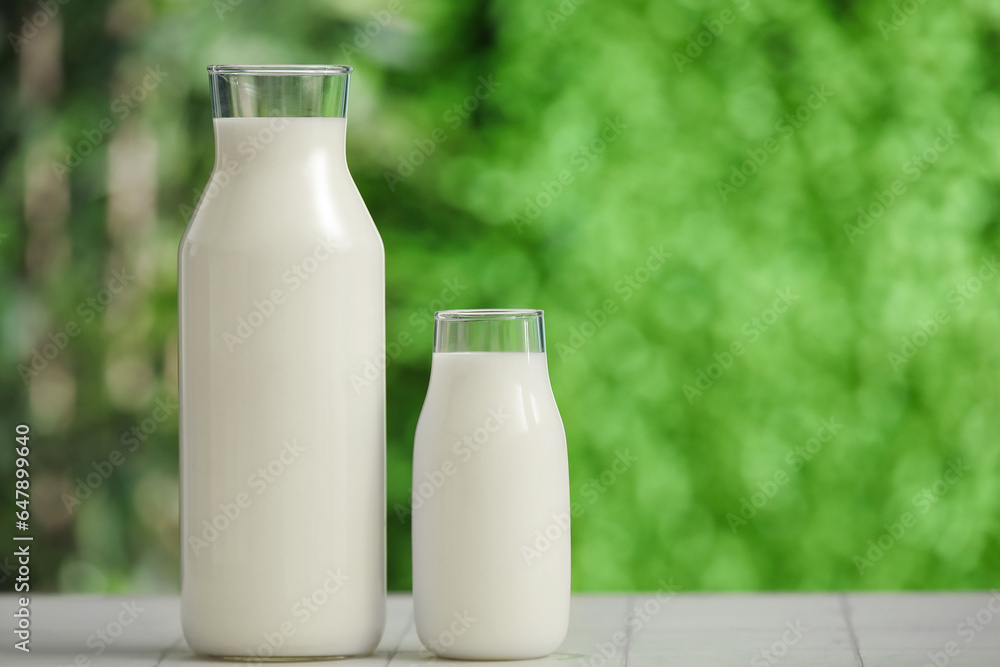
x=248, y=209
x=467, y=388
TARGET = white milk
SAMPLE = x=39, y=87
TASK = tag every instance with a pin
x=491, y=543
x=282, y=456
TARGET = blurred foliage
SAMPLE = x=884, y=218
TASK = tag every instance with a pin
x=516, y=196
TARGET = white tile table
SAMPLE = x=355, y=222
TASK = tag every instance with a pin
x=627, y=630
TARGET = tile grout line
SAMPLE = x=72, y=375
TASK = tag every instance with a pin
x=164, y=652
x=845, y=609
x=629, y=599
x=406, y=629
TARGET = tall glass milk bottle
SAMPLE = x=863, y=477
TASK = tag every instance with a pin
x=282, y=433
x=490, y=501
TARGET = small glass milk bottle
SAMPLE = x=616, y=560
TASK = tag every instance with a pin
x=491, y=508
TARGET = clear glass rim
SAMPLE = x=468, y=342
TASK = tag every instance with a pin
x=486, y=314
x=282, y=70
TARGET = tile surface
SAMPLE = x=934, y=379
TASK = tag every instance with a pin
x=634, y=630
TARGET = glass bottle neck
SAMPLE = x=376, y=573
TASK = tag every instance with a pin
x=293, y=114
x=287, y=91
x=305, y=142
x=489, y=331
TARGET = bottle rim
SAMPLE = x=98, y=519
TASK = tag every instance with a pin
x=487, y=314
x=282, y=70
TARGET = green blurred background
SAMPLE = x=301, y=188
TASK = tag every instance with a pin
x=544, y=154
